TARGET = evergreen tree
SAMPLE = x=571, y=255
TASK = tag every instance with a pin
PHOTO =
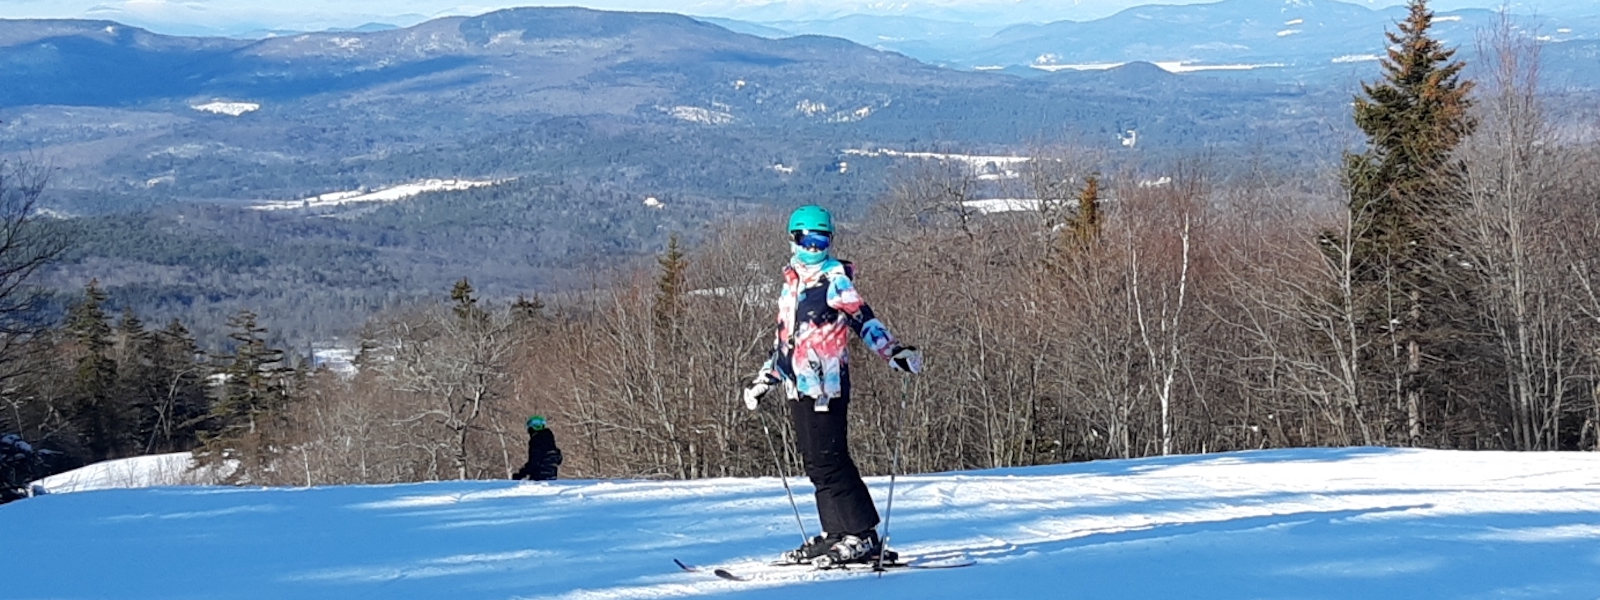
x=1085, y=226
x=527, y=311
x=668, y=307
x=1074, y=225
x=100, y=415
x=466, y=307
x=251, y=403
x=130, y=349
x=1401, y=205
x=178, y=374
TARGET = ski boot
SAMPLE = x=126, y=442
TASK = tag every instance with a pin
x=810, y=550
x=860, y=548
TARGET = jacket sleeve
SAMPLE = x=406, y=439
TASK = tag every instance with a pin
x=842, y=296
x=769, y=367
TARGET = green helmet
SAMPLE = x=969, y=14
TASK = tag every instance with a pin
x=810, y=218
x=536, y=423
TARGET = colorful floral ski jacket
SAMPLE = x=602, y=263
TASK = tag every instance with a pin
x=817, y=309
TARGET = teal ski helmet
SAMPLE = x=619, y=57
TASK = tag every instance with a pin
x=810, y=218
x=811, y=221
x=536, y=423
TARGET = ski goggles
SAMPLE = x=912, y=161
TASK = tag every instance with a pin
x=812, y=240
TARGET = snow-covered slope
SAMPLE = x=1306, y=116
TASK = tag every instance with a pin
x=137, y=472
x=1352, y=523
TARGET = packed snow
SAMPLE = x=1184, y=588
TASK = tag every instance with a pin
x=390, y=194
x=1308, y=523
x=232, y=109
x=1352, y=58
x=138, y=472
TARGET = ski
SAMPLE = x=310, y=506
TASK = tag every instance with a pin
x=859, y=567
x=723, y=573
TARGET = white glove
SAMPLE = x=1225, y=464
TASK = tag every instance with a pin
x=906, y=358
x=754, y=390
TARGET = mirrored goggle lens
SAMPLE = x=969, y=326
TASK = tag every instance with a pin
x=812, y=240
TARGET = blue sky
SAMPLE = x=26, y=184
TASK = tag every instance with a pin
x=233, y=16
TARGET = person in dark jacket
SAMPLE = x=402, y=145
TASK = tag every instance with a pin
x=544, y=458
x=19, y=465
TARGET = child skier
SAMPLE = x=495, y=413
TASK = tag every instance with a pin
x=816, y=310
x=544, y=458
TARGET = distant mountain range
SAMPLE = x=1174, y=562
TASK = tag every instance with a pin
x=563, y=137
x=1290, y=38
x=300, y=115
x=304, y=102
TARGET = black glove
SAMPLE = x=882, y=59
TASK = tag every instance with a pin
x=906, y=358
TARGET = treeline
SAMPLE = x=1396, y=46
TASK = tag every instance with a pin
x=100, y=387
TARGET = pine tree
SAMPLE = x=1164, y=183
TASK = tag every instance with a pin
x=1084, y=228
x=1400, y=200
x=668, y=308
x=101, y=417
x=527, y=314
x=1074, y=225
x=182, y=406
x=251, y=402
x=130, y=348
x=466, y=307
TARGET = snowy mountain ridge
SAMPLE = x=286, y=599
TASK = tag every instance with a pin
x=1296, y=35
x=1305, y=523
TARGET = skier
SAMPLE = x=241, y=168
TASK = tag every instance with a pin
x=544, y=458
x=816, y=310
x=19, y=464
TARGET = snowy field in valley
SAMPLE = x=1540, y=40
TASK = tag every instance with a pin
x=232, y=109
x=1313, y=523
x=389, y=194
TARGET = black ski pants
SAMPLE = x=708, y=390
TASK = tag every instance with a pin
x=843, y=503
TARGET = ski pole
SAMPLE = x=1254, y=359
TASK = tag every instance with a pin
x=784, y=475
x=894, y=468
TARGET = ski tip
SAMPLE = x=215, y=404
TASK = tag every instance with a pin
x=951, y=563
x=685, y=567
